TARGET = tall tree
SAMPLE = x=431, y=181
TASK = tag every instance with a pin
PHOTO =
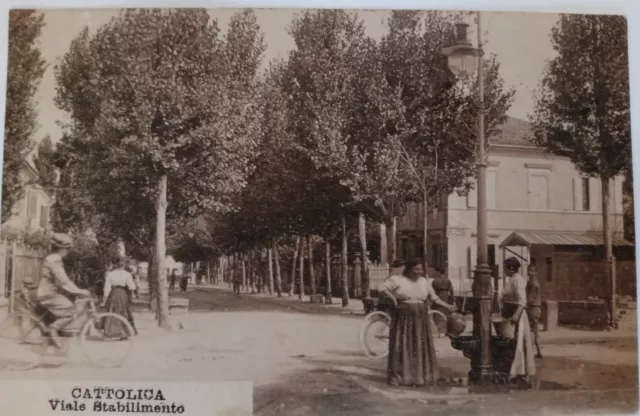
x=154, y=98
x=433, y=130
x=25, y=68
x=582, y=108
x=44, y=161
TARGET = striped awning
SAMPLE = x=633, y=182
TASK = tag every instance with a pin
x=529, y=238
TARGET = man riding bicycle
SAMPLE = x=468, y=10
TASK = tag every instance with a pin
x=55, y=286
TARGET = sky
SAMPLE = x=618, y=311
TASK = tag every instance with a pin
x=520, y=41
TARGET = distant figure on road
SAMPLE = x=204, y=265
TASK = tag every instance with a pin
x=443, y=287
x=184, y=282
x=237, y=282
x=534, y=304
x=172, y=284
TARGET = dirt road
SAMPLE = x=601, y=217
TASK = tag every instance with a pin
x=307, y=362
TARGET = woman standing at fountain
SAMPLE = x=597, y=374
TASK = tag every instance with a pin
x=412, y=356
x=514, y=300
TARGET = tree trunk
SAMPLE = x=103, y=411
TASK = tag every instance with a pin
x=312, y=272
x=391, y=241
x=292, y=279
x=244, y=272
x=384, y=251
x=301, y=284
x=233, y=269
x=362, y=228
x=161, y=251
x=252, y=271
x=270, y=260
x=608, y=249
x=151, y=281
x=425, y=232
x=276, y=258
x=328, y=270
x=345, y=273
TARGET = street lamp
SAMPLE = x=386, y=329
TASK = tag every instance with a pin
x=461, y=58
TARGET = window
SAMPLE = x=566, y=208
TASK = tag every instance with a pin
x=586, y=195
x=44, y=217
x=538, y=191
x=491, y=254
x=435, y=255
x=491, y=189
x=32, y=205
x=549, y=269
x=472, y=197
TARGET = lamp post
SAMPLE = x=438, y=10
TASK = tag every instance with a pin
x=461, y=59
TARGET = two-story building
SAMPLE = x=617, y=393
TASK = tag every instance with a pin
x=540, y=209
x=32, y=212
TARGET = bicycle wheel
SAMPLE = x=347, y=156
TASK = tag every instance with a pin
x=23, y=341
x=374, y=335
x=106, y=340
x=438, y=323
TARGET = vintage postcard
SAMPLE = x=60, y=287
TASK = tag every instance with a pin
x=317, y=212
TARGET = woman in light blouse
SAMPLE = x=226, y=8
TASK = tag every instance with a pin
x=118, y=287
x=514, y=301
x=412, y=356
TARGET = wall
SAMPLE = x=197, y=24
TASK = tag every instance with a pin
x=26, y=217
x=509, y=204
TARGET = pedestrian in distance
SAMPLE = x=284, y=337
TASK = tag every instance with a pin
x=172, y=283
x=443, y=288
x=184, y=281
x=237, y=283
x=534, y=305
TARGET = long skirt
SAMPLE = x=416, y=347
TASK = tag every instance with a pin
x=523, y=367
x=412, y=356
x=119, y=301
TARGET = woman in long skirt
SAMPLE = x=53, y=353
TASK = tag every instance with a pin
x=412, y=356
x=118, y=287
x=514, y=298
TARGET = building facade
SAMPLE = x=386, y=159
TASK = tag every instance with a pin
x=33, y=211
x=554, y=210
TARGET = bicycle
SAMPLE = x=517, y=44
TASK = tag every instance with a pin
x=373, y=336
x=28, y=329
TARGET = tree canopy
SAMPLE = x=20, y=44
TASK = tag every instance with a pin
x=25, y=68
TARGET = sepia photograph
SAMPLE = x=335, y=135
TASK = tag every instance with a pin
x=345, y=212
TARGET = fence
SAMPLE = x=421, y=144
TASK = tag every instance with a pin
x=580, y=280
x=19, y=266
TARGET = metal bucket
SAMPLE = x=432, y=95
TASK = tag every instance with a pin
x=505, y=328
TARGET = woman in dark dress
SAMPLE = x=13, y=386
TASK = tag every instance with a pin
x=412, y=356
x=118, y=287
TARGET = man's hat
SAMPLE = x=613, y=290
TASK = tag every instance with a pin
x=398, y=263
x=61, y=240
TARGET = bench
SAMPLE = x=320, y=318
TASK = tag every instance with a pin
x=179, y=305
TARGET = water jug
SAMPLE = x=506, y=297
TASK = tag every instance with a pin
x=456, y=324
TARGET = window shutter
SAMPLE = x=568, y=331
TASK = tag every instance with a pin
x=44, y=217
x=32, y=208
x=472, y=198
x=472, y=253
x=577, y=194
x=491, y=189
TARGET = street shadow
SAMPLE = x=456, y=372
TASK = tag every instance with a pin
x=221, y=300
x=554, y=373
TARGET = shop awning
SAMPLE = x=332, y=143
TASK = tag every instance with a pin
x=529, y=238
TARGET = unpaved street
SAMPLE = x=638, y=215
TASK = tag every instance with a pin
x=304, y=360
